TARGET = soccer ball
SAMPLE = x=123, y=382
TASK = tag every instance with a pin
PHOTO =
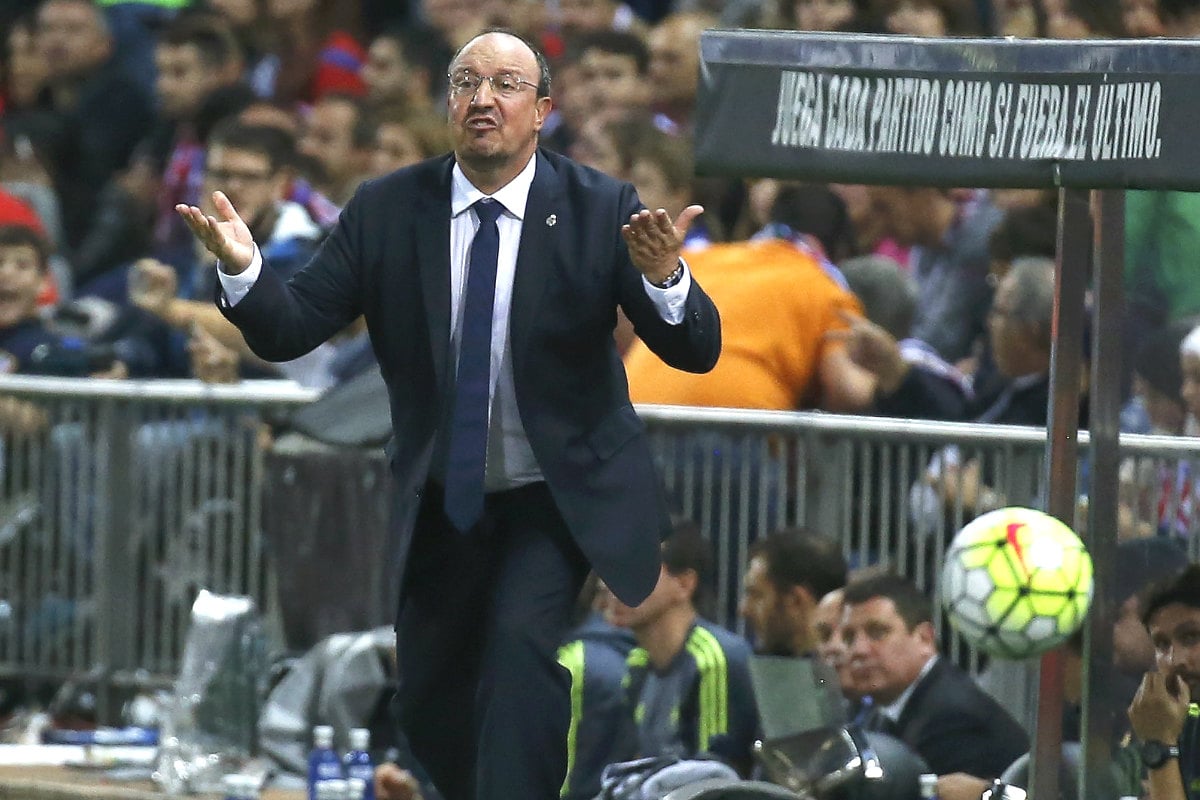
x=1016, y=582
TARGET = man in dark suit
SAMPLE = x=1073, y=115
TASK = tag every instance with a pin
x=919, y=697
x=489, y=280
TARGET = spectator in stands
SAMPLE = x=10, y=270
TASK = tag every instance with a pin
x=587, y=16
x=195, y=57
x=930, y=18
x=776, y=355
x=403, y=138
x=1160, y=713
x=675, y=68
x=822, y=15
x=1026, y=230
x=950, y=261
x=103, y=112
x=251, y=164
x=570, y=112
x=336, y=145
x=918, y=696
x=1019, y=325
x=404, y=68
x=688, y=685
x=827, y=623
x=790, y=571
x=1084, y=19
x=24, y=261
x=310, y=56
x=613, y=72
x=595, y=655
x=1180, y=18
x=323, y=211
x=16, y=210
x=1141, y=19
x=25, y=71
x=454, y=22
x=607, y=144
x=1158, y=494
x=661, y=169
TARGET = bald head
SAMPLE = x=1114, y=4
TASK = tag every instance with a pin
x=497, y=103
x=510, y=44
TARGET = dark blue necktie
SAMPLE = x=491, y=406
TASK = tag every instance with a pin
x=467, y=451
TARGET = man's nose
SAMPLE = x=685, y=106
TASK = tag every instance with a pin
x=484, y=95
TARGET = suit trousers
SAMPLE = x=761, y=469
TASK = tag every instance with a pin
x=482, y=702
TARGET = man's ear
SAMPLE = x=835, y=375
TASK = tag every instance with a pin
x=924, y=632
x=800, y=598
x=689, y=581
x=541, y=110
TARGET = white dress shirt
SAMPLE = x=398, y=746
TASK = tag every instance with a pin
x=894, y=709
x=510, y=460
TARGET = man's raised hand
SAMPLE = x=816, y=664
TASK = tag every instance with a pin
x=655, y=241
x=225, y=235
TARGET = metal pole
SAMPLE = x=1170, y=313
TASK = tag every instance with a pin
x=1100, y=713
x=1062, y=449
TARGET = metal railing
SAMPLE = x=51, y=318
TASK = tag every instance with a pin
x=120, y=500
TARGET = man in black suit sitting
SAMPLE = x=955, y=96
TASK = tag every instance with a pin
x=919, y=697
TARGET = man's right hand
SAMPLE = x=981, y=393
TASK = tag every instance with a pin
x=873, y=349
x=1159, y=708
x=153, y=286
x=225, y=235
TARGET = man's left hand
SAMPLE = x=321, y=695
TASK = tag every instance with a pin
x=655, y=241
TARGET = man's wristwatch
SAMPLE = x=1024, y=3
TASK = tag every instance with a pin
x=672, y=279
x=1155, y=753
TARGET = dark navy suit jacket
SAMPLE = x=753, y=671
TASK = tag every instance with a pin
x=388, y=257
x=957, y=727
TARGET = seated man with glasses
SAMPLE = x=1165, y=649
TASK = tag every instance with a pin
x=253, y=165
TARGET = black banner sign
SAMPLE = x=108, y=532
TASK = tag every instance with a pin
x=949, y=112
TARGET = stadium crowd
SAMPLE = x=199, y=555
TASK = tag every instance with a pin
x=912, y=302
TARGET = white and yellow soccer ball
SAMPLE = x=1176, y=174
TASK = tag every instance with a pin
x=1016, y=582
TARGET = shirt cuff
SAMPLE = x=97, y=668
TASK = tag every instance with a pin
x=236, y=287
x=669, y=302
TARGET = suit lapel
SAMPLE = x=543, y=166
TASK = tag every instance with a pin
x=924, y=685
x=432, y=226
x=535, y=258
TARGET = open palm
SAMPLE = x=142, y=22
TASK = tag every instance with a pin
x=225, y=235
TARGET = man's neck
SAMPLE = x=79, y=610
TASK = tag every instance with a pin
x=663, y=638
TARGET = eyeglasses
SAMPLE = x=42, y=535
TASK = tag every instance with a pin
x=466, y=82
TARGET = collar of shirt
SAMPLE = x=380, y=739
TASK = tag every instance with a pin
x=894, y=709
x=513, y=195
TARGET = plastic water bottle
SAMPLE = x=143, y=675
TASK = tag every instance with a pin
x=358, y=761
x=332, y=789
x=928, y=782
x=357, y=789
x=323, y=762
